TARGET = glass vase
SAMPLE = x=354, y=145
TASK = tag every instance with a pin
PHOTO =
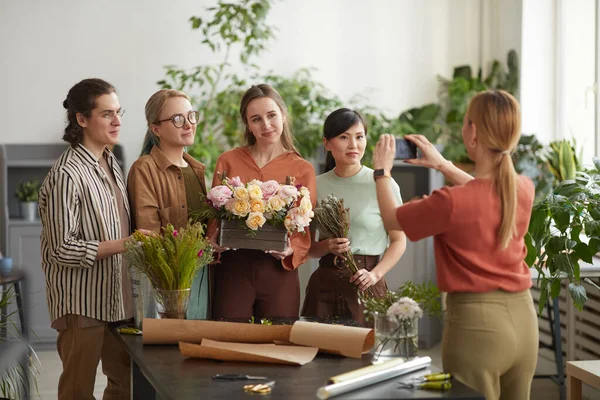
x=172, y=303
x=395, y=338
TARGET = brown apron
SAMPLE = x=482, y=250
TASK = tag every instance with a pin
x=331, y=294
x=252, y=283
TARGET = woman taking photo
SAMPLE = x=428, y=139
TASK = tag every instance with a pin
x=490, y=339
x=332, y=289
x=252, y=282
x=165, y=183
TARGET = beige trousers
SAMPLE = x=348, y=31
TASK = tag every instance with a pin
x=80, y=349
x=490, y=342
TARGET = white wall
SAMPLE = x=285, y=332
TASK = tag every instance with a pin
x=387, y=49
x=538, y=69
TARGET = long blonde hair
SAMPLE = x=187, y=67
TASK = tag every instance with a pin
x=497, y=118
x=154, y=106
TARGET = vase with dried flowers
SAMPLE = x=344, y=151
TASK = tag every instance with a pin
x=170, y=261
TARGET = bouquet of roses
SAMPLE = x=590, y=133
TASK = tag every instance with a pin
x=258, y=203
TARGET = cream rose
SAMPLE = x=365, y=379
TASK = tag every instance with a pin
x=255, y=220
x=304, y=191
x=288, y=222
x=305, y=204
x=241, y=208
x=254, y=192
x=276, y=203
x=257, y=206
x=241, y=193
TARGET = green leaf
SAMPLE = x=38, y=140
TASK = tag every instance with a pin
x=594, y=245
x=543, y=298
x=583, y=252
x=578, y=294
x=563, y=263
x=592, y=228
x=531, y=250
x=596, y=163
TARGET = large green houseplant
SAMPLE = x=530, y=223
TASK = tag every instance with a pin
x=455, y=94
x=240, y=28
x=563, y=231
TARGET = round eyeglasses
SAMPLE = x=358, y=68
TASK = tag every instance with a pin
x=179, y=119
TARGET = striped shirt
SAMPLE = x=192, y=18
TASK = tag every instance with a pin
x=78, y=210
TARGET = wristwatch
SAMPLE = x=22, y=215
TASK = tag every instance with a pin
x=381, y=173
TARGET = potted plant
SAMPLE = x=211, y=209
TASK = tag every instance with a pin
x=27, y=193
x=565, y=229
x=170, y=261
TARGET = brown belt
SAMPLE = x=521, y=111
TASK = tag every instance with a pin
x=362, y=261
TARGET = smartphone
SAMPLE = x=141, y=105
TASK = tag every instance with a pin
x=405, y=149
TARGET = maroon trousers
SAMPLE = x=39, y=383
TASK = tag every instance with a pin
x=252, y=283
x=331, y=294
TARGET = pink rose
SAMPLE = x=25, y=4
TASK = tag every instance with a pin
x=175, y=233
x=229, y=204
x=269, y=188
x=235, y=181
x=219, y=195
x=200, y=253
x=288, y=193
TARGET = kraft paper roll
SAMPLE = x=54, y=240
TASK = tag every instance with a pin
x=348, y=341
x=172, y=331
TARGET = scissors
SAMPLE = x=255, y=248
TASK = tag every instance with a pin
x=237, y=377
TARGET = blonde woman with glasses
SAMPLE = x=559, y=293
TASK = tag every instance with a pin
x=165, y=182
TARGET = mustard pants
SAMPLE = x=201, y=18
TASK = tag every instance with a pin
x=490, y=342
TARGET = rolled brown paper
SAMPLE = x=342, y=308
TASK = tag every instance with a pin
x=266, y=353
x=348, y=341
x=171, y=331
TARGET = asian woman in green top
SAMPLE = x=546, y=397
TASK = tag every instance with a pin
x=332, y=290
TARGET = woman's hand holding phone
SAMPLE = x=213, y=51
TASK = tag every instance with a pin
x=430, y=156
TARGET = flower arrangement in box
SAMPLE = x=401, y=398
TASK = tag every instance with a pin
x=170, y=261
x=257, y=204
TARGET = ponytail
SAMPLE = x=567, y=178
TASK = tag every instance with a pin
x=150, y=140
x=506, y=187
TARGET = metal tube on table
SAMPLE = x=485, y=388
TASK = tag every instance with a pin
x=377, y=375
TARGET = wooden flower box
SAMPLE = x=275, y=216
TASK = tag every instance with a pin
x=235, y=235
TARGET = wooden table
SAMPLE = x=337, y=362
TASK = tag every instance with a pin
x=161, y=372
x=579, y=372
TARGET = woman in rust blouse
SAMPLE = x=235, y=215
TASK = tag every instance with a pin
x=252, y=282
